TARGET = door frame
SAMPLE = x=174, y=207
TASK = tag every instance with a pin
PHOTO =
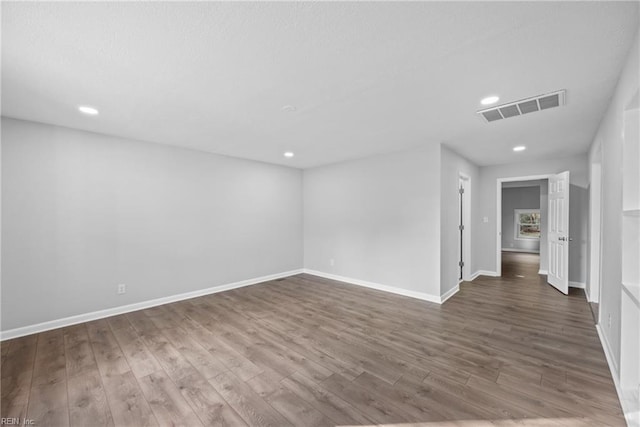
x=595, y=229
x=466, y=221
x=499, y=182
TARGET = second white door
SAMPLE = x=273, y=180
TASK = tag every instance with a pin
x=558, y=233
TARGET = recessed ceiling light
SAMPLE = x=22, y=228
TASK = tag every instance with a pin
x=288, y=154
x=519, y=148
x=489, y=100
x=88, y=110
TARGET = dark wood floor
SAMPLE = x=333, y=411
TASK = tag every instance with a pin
x=307, y=351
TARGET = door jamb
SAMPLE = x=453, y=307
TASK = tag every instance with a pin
x=466, y=221
x=595, y=253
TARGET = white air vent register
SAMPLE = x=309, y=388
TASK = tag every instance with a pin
x=524, y=106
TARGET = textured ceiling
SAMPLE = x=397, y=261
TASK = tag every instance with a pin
x=365, y=78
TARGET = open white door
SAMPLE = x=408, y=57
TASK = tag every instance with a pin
x=558, y=234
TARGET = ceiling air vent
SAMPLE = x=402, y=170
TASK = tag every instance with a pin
x=524, y=106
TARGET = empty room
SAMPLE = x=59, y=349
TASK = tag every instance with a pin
x=320, y=213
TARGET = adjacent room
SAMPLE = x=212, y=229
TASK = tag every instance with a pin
x=320, y=213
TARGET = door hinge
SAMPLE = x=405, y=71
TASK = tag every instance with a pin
x=461, y=264
x=461, y=227
x=461, y=190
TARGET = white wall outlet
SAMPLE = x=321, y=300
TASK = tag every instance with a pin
x=122, y=288
x=485, y=219
x=332, y=262
x=609, y=321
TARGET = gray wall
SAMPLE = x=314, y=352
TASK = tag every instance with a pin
x=82, y=212
x=579, y=232
x=452, y=164
x=518, y=198
x=378, y=218
x=485, y=247
x=609, y=135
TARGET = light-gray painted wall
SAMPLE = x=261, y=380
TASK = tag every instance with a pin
x=579, y=232
x=518, y=198
x=610, y=137
x=83, y=212
x=452, y=165
x=378, y=218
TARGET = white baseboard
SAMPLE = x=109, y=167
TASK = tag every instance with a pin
x=529, y=251
x=449, y=294
x=608, y=354
x=101, y=314
x=405, y=292
x=545, y=272
x=484, y=273
x=473, y=276
x=578, y=285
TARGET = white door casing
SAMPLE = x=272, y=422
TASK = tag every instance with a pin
x=558, y=233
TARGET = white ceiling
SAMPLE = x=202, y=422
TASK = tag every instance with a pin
x=365, y=78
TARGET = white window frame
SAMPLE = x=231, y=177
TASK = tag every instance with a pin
x=516, y=223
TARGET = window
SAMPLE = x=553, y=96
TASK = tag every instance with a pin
x=527, y=224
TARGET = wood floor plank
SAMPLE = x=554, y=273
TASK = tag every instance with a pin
x=233, y=360
x=141, y=322
x=246, y=402
x=50, y=364
x=441, y=400
x=119, y=322
x=172, y=361
x=207, y=403
x=48, y=404
x=334, y=407
x=305, y=350
x=381, y=410
x=166, y=401
x=309, y=349
x=203, y=361
x=4, y=348
x=127, y=403
x=106, y=350
x=296, y=410
x=569, y=400
x=477, y=397
x=284, y=354
x=518, y=398
x=409, y=403
x=17, y=373
x=79, y=355
x=140, y=359
x=88, y=404
x=266, y=383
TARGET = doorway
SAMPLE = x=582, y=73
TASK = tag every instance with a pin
x=520, y=231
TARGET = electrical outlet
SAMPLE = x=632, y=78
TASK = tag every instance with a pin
x=332, y=262
x=122, y=288
x=609, y=321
